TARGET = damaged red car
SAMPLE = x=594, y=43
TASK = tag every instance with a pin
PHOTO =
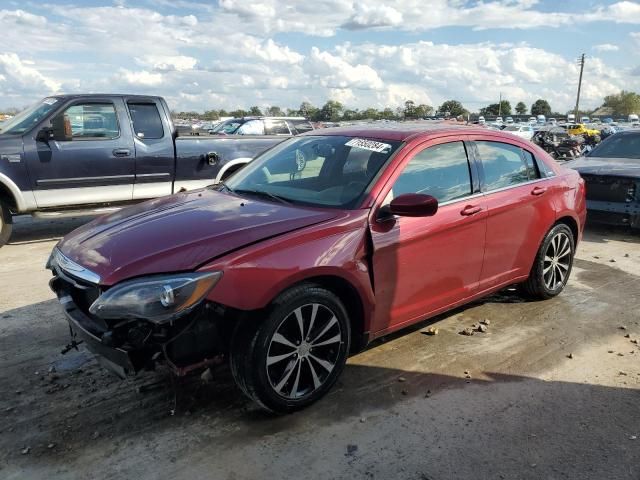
x=320, y=245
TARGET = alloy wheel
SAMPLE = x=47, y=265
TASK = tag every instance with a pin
x=557, y=261
x=303, y=351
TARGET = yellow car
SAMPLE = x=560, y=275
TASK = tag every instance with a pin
x=580, y=129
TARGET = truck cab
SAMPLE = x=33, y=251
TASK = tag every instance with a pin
x=88, y=153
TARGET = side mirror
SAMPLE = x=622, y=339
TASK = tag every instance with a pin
x=44, y=135
x=413, y=205
x=61, y=128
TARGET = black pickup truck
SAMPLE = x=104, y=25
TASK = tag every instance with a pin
x=71, y=153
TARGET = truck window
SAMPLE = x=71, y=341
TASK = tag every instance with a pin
x=146, y=120
x=276, y=127
x=252, y=127
x=93, y=121
x=299, y=126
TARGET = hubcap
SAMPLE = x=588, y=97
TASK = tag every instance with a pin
x=557, y=260
x=303, y=351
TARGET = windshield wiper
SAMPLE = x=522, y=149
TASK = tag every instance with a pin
x=262, y=193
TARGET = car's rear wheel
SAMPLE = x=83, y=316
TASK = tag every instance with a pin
x=292, y=358
x=6, y=224
x=552, y=265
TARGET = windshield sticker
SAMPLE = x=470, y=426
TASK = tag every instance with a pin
x=371, y=145
x=49, y=101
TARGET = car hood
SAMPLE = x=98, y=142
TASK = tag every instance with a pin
x=180, y=233
x=622, y=167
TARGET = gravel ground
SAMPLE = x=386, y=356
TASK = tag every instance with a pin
x=551, y=390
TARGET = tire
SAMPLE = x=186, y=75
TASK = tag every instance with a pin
x=272, y=362
x=6, y=224
x=552, y=265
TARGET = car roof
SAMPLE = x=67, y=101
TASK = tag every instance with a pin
x=400, y=131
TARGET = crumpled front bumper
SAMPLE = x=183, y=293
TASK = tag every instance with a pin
x=85, y=329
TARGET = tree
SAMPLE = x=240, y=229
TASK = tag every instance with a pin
x=309, y=111
x=370, y=113
x=452, y=108
x=409, y=109
x=521, y=108
x=623, y=103
x=504, y=108
x=331, y=111
x=274, y=111
x=387, y=114
x=350, y=114
x=210, y=115
x=424, y=110
x=541, y=107
x=255, y=111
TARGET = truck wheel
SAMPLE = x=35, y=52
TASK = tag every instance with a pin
x=552, y=265
x=6, y=224
x=291, y=358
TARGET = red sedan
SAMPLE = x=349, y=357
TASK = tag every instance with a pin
x=320, y=245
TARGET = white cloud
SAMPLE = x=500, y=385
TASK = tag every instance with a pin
x=141, y=78
x=231, y=54
x=20, y=77
x=168, y=63
x=606, y=47
x=334, y=72
x=373, y=16
x=270, y=51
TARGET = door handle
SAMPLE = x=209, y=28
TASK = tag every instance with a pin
x=121, y=152
x=470, y=210
x=538, y=190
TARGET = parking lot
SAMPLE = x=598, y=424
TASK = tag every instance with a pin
x=551, y=390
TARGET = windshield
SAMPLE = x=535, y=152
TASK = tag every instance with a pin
x=327, y=171
x=228, y=127
x=28, y=118
x=512, y=129
x=618, y=146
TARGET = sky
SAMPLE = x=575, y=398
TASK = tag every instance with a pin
x=238, y=53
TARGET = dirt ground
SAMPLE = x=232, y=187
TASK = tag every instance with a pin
x=551, y=391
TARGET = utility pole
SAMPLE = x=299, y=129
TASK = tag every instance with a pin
x=581, y=63
x=500, y=105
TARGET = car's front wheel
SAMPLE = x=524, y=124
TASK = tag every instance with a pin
x=294, y=355
x=552, y=265
x=5, y=223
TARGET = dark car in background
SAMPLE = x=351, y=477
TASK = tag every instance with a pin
x=611, y=172
x=263, y=126
x=322, y=244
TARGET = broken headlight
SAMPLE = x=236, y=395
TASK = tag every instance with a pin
x=159, y=299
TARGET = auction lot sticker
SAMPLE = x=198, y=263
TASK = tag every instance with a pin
x=368, y=145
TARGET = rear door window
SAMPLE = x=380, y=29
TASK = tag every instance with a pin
x=146, y=120
x=502, y=164
x=441, y=171
x=532, y=166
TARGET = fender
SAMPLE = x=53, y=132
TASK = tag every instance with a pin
x=228, y=165
x=25, y=201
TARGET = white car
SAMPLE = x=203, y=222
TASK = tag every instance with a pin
x=523, y=131
x=509, y=120
x=498, y=120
